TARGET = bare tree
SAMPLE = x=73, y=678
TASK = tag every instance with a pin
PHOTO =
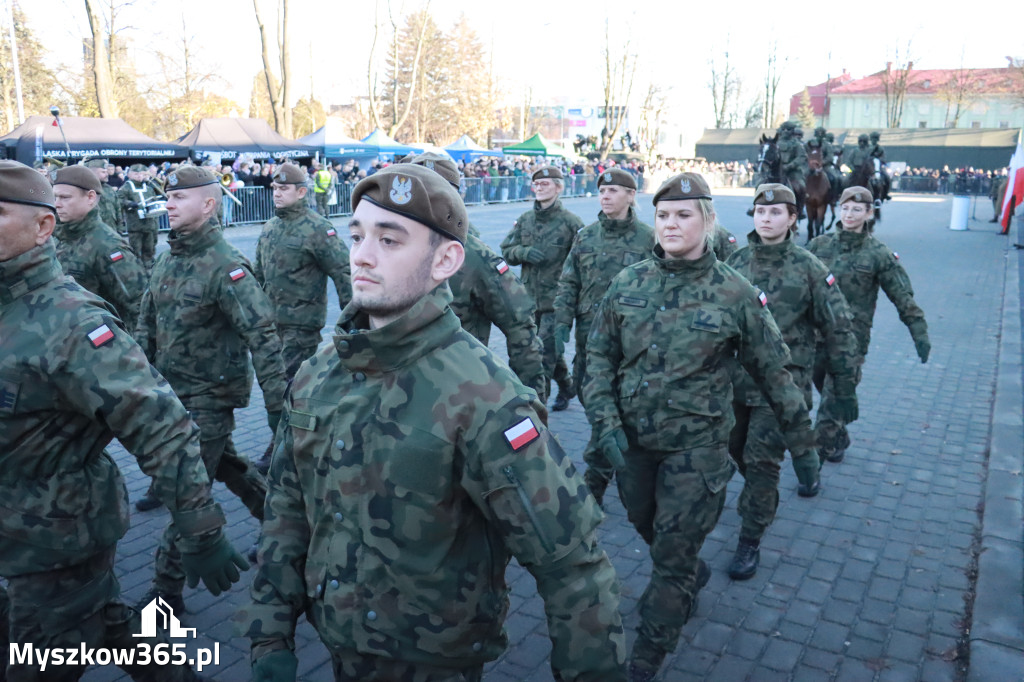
x=959, y=93
x=652, y=114
x=772, y=77
x=753, y=116
x=279, y=88
x=895, y=83
x=101, y=64
x=38, y=82
x=725, y=88
x=619, y=73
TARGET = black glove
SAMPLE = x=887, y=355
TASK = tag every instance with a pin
x=561, y=338
x=273, y=419
x=534, y=256
x=277, y=666
x=924, y=349
x=808, y=473
x=614, y=444
x=846, y=408
x=212, y=559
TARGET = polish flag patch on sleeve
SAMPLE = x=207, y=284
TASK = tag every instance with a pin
x=116, y=256
x=732, y=240
x=522, y=434
x=830, y=280
x=331, y=232
x=236, y=274
x=502, y=267
x=896, y=255
x=762, y=298
x=100, y=335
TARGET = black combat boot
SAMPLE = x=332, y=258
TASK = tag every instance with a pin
x=148, y=501
x=175, y=601
x=745, y=561
x=644, y=661
x=836, y=456
x=563, y=398
x=263, y=463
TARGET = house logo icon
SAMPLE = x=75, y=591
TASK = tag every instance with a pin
x=158, y=612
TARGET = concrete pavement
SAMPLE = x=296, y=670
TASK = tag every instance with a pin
x=871, y=580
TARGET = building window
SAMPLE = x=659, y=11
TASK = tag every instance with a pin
x=927, y=84
x=922, y=124
x=975, y=124
x=1004, y=124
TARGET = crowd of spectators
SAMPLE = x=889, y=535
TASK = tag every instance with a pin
x=967, y=180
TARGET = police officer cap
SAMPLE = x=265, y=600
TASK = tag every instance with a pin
x=76, y=176
x=187, y=177
x=861, y=195
x=138, y=168
x=774, y=193
x=549, y=172
x=289, y=174
x=19, y=184
x=617, y=176
x=683, y=186
x=419, y=194
x=96, y=163
x=444, y=167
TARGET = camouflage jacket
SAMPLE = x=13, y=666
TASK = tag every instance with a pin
x=793, y=157
x=71, y=379
x=486, y=291
x=660, y=354
x=202, y=314
x=723, y=244
x=599, y=253
x=552, y=230
x=805, y=301
x=132, y=202
x=110, y=208
x=862, y=264
x=411, y=465
x=296, y=253
x=101, y=261
x=856, y=158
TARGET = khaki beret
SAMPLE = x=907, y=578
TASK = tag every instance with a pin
x=290, y=174
x=774, y=193
x=76, y=176
x=138, y=168
x=550, y=172
x=617, y=176
x=187, y=177
x=419, y=194
x=96, y=163
x=446, y=168
x=683, y=186
x=19, y=184
x=861, y=195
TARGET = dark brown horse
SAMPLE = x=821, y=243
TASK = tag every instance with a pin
x=769, y=169
x=818, y=196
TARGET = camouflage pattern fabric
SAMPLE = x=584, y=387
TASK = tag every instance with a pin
x=78, y=606
x=599, y=253
x=793, y=159
x=71, y=380
x=857, y=157
x=552, y=230
x=555, y=367
x=806, y=303
x=203, y=313
x=100, y=260
x=659, y=358
x=141, y=231
x=296, y=253
x=485, y=291
x=411, y=466
x=110, y=208
x=861, y=264
x=354, y=667
x=723, y=243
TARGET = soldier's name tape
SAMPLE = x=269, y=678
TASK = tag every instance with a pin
x=143, y=654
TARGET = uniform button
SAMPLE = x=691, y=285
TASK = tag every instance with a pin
x=672, y=275
x=477, y=646
x=164, y=286
x=334, y=584
x=663, y=308
x=222, y=377
x=670, y=401
x=643, y=420
x=646, y=384
x=340, y=445
x=359, y=376
x=319, y=590
x=654, y=346
x=371, y=615
x=343, y=345
x=339, y=517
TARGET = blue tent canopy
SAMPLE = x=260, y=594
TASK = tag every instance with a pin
x=334, y=144
x=384, y=146
x=465, y=149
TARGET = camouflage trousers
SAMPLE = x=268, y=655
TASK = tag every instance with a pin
x=143, y=243
x=599, y=471
x=758, y=447
x=297, y=345
x=555, y=366
x=79, y=606
x=224, y=464
x=350, y=666
x=674, y=500
x=321, y=202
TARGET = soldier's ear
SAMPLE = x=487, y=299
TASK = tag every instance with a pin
x=448, y=258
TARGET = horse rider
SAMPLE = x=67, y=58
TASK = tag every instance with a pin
x=820, y=141
x=878, y=152
x=837, y=153
x=793, y=157
x=860, y=154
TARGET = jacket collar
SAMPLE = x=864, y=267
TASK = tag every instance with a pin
x=78, y=228
x=691, y=268
x=759, y=248
x=201, y=239
x=31, y=270
x=296, y=210
x=618, y=227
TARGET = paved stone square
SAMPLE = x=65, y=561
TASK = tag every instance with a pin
x=867, y=581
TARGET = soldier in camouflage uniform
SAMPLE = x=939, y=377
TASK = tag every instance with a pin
x=109, y=205
x=793, y=162
x=485, y=291
x=296, y=253
x=142, y=228
x=877, y=151
x=658, y=391
x=861, y=264
x=71, y=380
x=411, y=465
x=201, y=316
x=723, y=243
x=860, y=154
x=540, y=241
x=821, y=142
x=89, y=250
x=618, y=239
x=804, y=301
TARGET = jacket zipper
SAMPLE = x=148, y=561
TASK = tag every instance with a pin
x=530, y=511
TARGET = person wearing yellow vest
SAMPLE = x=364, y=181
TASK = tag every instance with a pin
x=323, y=183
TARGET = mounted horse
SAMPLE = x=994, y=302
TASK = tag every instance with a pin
x=769, y=169
x=818, y=196
x=869, y=175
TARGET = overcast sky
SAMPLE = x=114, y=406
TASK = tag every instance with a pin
x=556, y=47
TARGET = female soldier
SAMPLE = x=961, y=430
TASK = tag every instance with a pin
x=860, y=264
x=658, y=392
x=803, y=299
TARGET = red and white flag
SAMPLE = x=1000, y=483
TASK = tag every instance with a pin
x=521, y=434
x=100, y=335
x=236, y=274
x=1014, y=188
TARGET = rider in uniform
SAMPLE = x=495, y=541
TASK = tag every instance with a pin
x=820, y=141
x=860, y=154
x=793, y=158
x=878, y=152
